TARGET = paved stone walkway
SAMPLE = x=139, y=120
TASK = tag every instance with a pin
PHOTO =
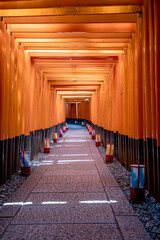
x=71, y=195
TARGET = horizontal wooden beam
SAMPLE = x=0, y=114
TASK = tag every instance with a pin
x=75, y=45
x=62, y=11
x=77, y=96
x=67, y=67
x=77, y=79
x=72, y=35
x=75, y=53
x=74, y=92
x=73, y=40
x=13, y=4
x=74, y=70
x=70, y=101
x=60, y=83
x=81, y=61
x=72, y=88
x=110, y=18
x=118, y=49
x=75, y=27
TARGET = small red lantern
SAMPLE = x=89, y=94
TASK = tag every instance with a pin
x=55, y=137
x=25, y=163
x=64, y=129
x=98, y=140
x=93, y=134
x=90, y=130
x=109, y=152
x=46, y=145
x=137, y=190
x=60, y=133
x=66, y=126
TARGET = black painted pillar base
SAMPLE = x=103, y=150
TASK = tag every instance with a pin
x=17, y=154
x=27, y=142
x=112, y=137
x=10, y=158
x=96, y=129
x=5, y=158
x=32, y=144
x=107, y=137
x=158, y=174
x=149, y=165
x=140, y=151
x=13, y=153
x=125, y=155
x=103, y=137
x=155, y=166
x=2, y=162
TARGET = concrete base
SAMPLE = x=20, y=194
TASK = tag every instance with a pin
x=98, y=144
x=109, y=158
x=137, y=194
x=46, y=150
x=25, y=171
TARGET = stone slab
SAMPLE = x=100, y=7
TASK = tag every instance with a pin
x=74, y=166
x=4, y=222
x=74, y=157
x=71, y=172
x=122, y=207
x=70, y=180
x=9, y=211
x=108, y=180
x=64, y=213
x=70, y=184
x=73, y=150
x=63, y=232
x=132, y=228
x=71, y=198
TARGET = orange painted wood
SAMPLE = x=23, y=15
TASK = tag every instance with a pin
x=157, y=61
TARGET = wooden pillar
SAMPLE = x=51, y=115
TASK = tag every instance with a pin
x=76, y=110
x=153, y=151
x=147, y=114
x=125, y=111
x=138, y=92
x=130, y=103
x=3, y=137
x=157, y=87
x=10, y=80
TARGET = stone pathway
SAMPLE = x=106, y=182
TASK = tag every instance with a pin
x=71, y=195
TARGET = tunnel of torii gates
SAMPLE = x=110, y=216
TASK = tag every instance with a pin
x=55, y=54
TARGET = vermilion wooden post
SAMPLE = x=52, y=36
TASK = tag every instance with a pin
x=138, y=92
x=125, y=110
x=157, y=87
x=2, y=162
x=147, y=96
x=9, y=96
x=153, y=164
